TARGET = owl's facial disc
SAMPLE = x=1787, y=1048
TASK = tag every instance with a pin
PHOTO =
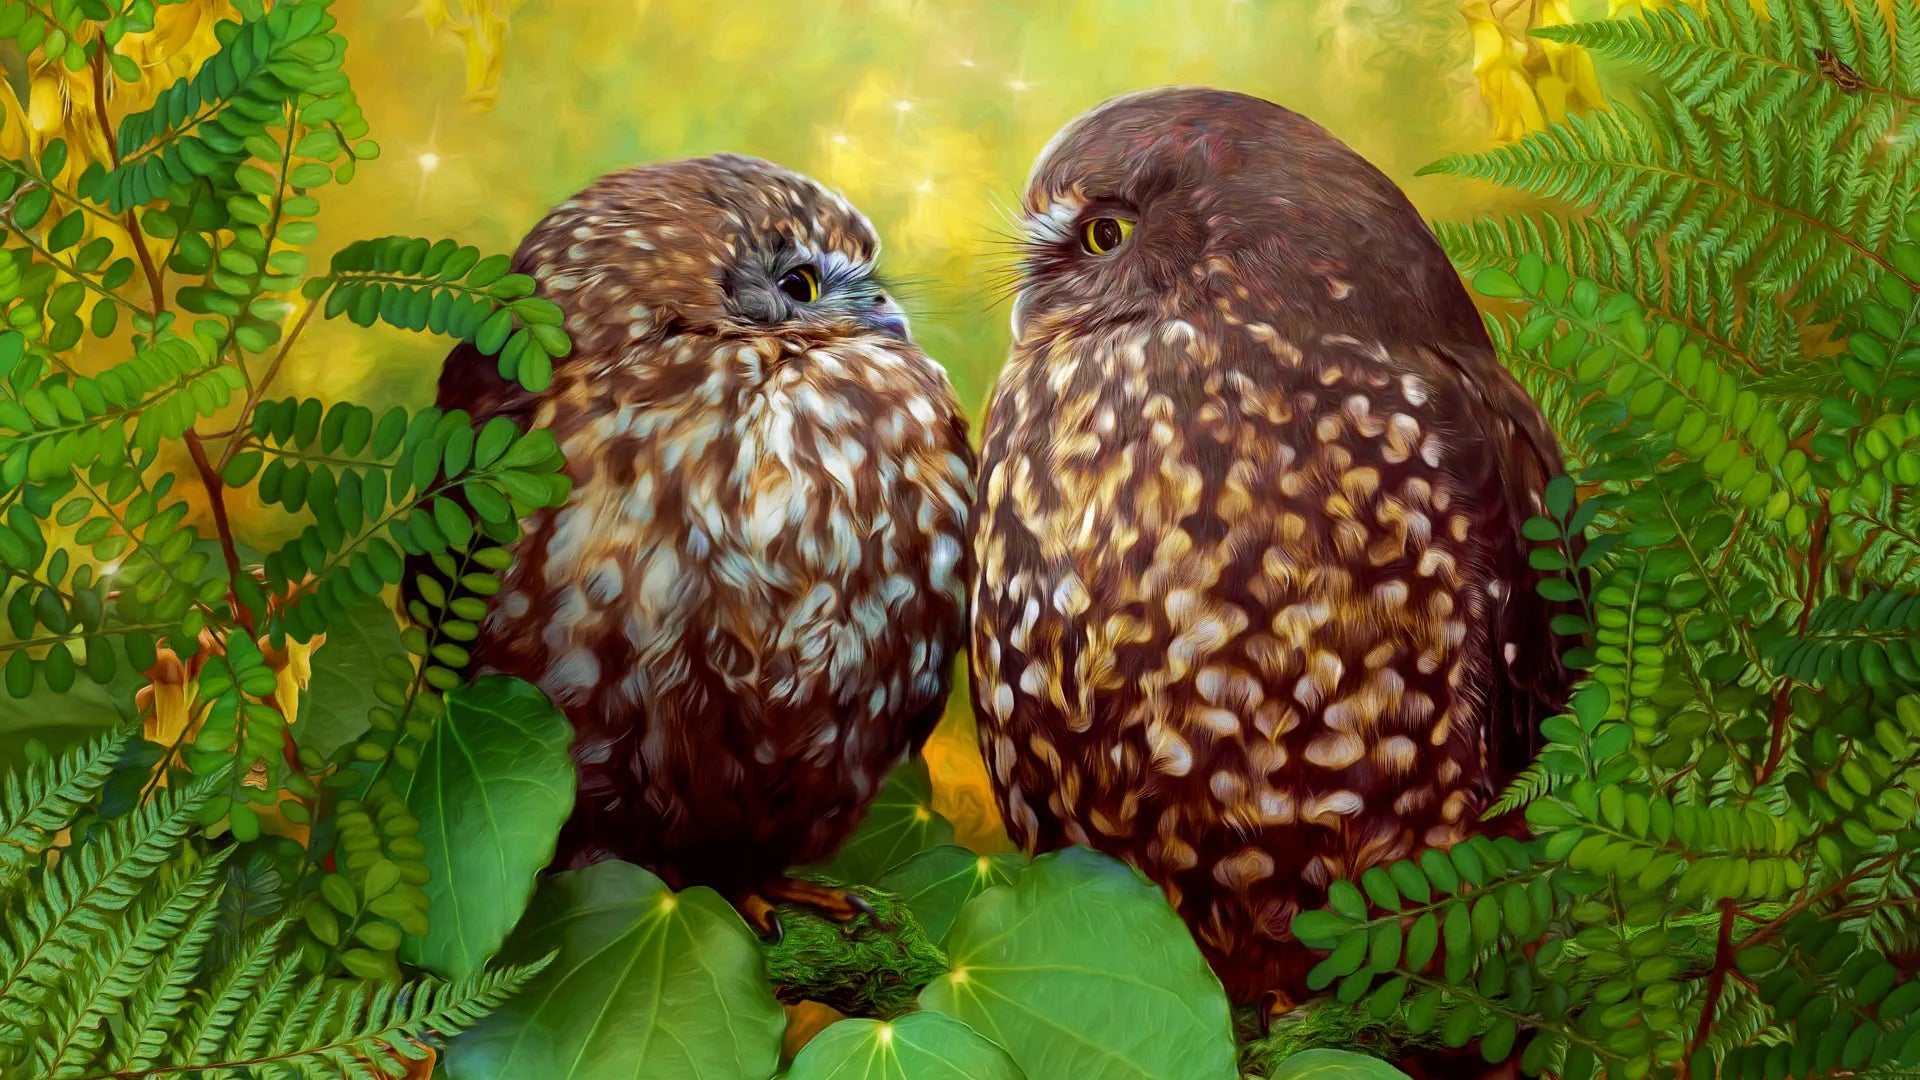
x=1111, y=246
x=790, y=288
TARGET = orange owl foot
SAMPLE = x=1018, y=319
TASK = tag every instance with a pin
x=836, y=904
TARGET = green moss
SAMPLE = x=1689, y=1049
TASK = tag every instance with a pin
x=1322, y=1023
x=868, y=967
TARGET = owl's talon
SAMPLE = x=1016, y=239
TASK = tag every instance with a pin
x=759, y=913
x=840, y=905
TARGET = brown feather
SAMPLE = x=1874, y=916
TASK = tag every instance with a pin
x=749, y=604
x=1248, y=526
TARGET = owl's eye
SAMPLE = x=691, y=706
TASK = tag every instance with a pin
x=1102, y=234
x=801, y=283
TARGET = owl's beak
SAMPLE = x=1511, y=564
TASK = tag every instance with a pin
x=888, y=318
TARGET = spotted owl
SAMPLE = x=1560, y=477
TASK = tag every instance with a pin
x=749, y=605
x=1253, y=608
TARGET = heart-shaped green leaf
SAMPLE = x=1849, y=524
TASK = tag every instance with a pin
x=900, y=824
x=918, y=1046
x=1335, y=1065
x=333, y=711
x=935, y=883
x=648, y=982
x=495, y=784
x=1080, y=968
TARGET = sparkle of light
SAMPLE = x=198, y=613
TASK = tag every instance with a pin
x=902, y=106
x=840, y=138
x=886, y=1034
x=429, y=161
x=924, y=187
x=1019, y=85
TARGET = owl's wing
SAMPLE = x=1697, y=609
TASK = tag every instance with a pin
x=471, y=380
x=1531, y=682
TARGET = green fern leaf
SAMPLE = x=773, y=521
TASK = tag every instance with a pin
x=120, y=961
x=39, y=802
x=161, y=999
x=92, y=885
x=213, y=1020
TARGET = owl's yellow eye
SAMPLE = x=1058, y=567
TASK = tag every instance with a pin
x=801, y=283
x=1102, y=234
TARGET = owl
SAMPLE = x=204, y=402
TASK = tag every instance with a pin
x=749, y=606
x=1253, y=609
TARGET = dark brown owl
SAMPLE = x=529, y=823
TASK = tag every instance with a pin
x=749, y=606
x=1253, y=608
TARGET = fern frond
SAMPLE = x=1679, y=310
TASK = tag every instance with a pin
x=92, y=883
x=1890, y=550
x=39, y=801
x=1523, y=789
x=1869, y=638
x=270, y=1000
x=1722, y=53
x=364, y=1022
x=120, y=962
x=214, y=1019
x=1805, y=224
x=160, y=999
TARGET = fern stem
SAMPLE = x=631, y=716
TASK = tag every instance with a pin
x=1572, y=1035
x=259, y=390
x=1782, y=713
x=86, y=281
x=59, y=192
x=155, y=283
x=1779, y=922
x=1716, y=985
x=217, y=499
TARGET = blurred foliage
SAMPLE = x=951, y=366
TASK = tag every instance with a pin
x=1718, y=313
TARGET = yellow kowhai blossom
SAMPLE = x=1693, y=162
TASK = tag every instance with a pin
x=482, y=25
x=170, y=715
x=962, y=791
x=1527, y=81
x=61, y=104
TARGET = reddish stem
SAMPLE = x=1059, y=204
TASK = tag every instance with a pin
x=1716, y=984
x=1782, y=714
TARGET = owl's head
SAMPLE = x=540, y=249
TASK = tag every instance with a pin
x=1182, y=200
x=723, y=246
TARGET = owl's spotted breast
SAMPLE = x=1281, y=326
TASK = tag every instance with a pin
x=749, y=605
x=751, y=608
x=1232, y=614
